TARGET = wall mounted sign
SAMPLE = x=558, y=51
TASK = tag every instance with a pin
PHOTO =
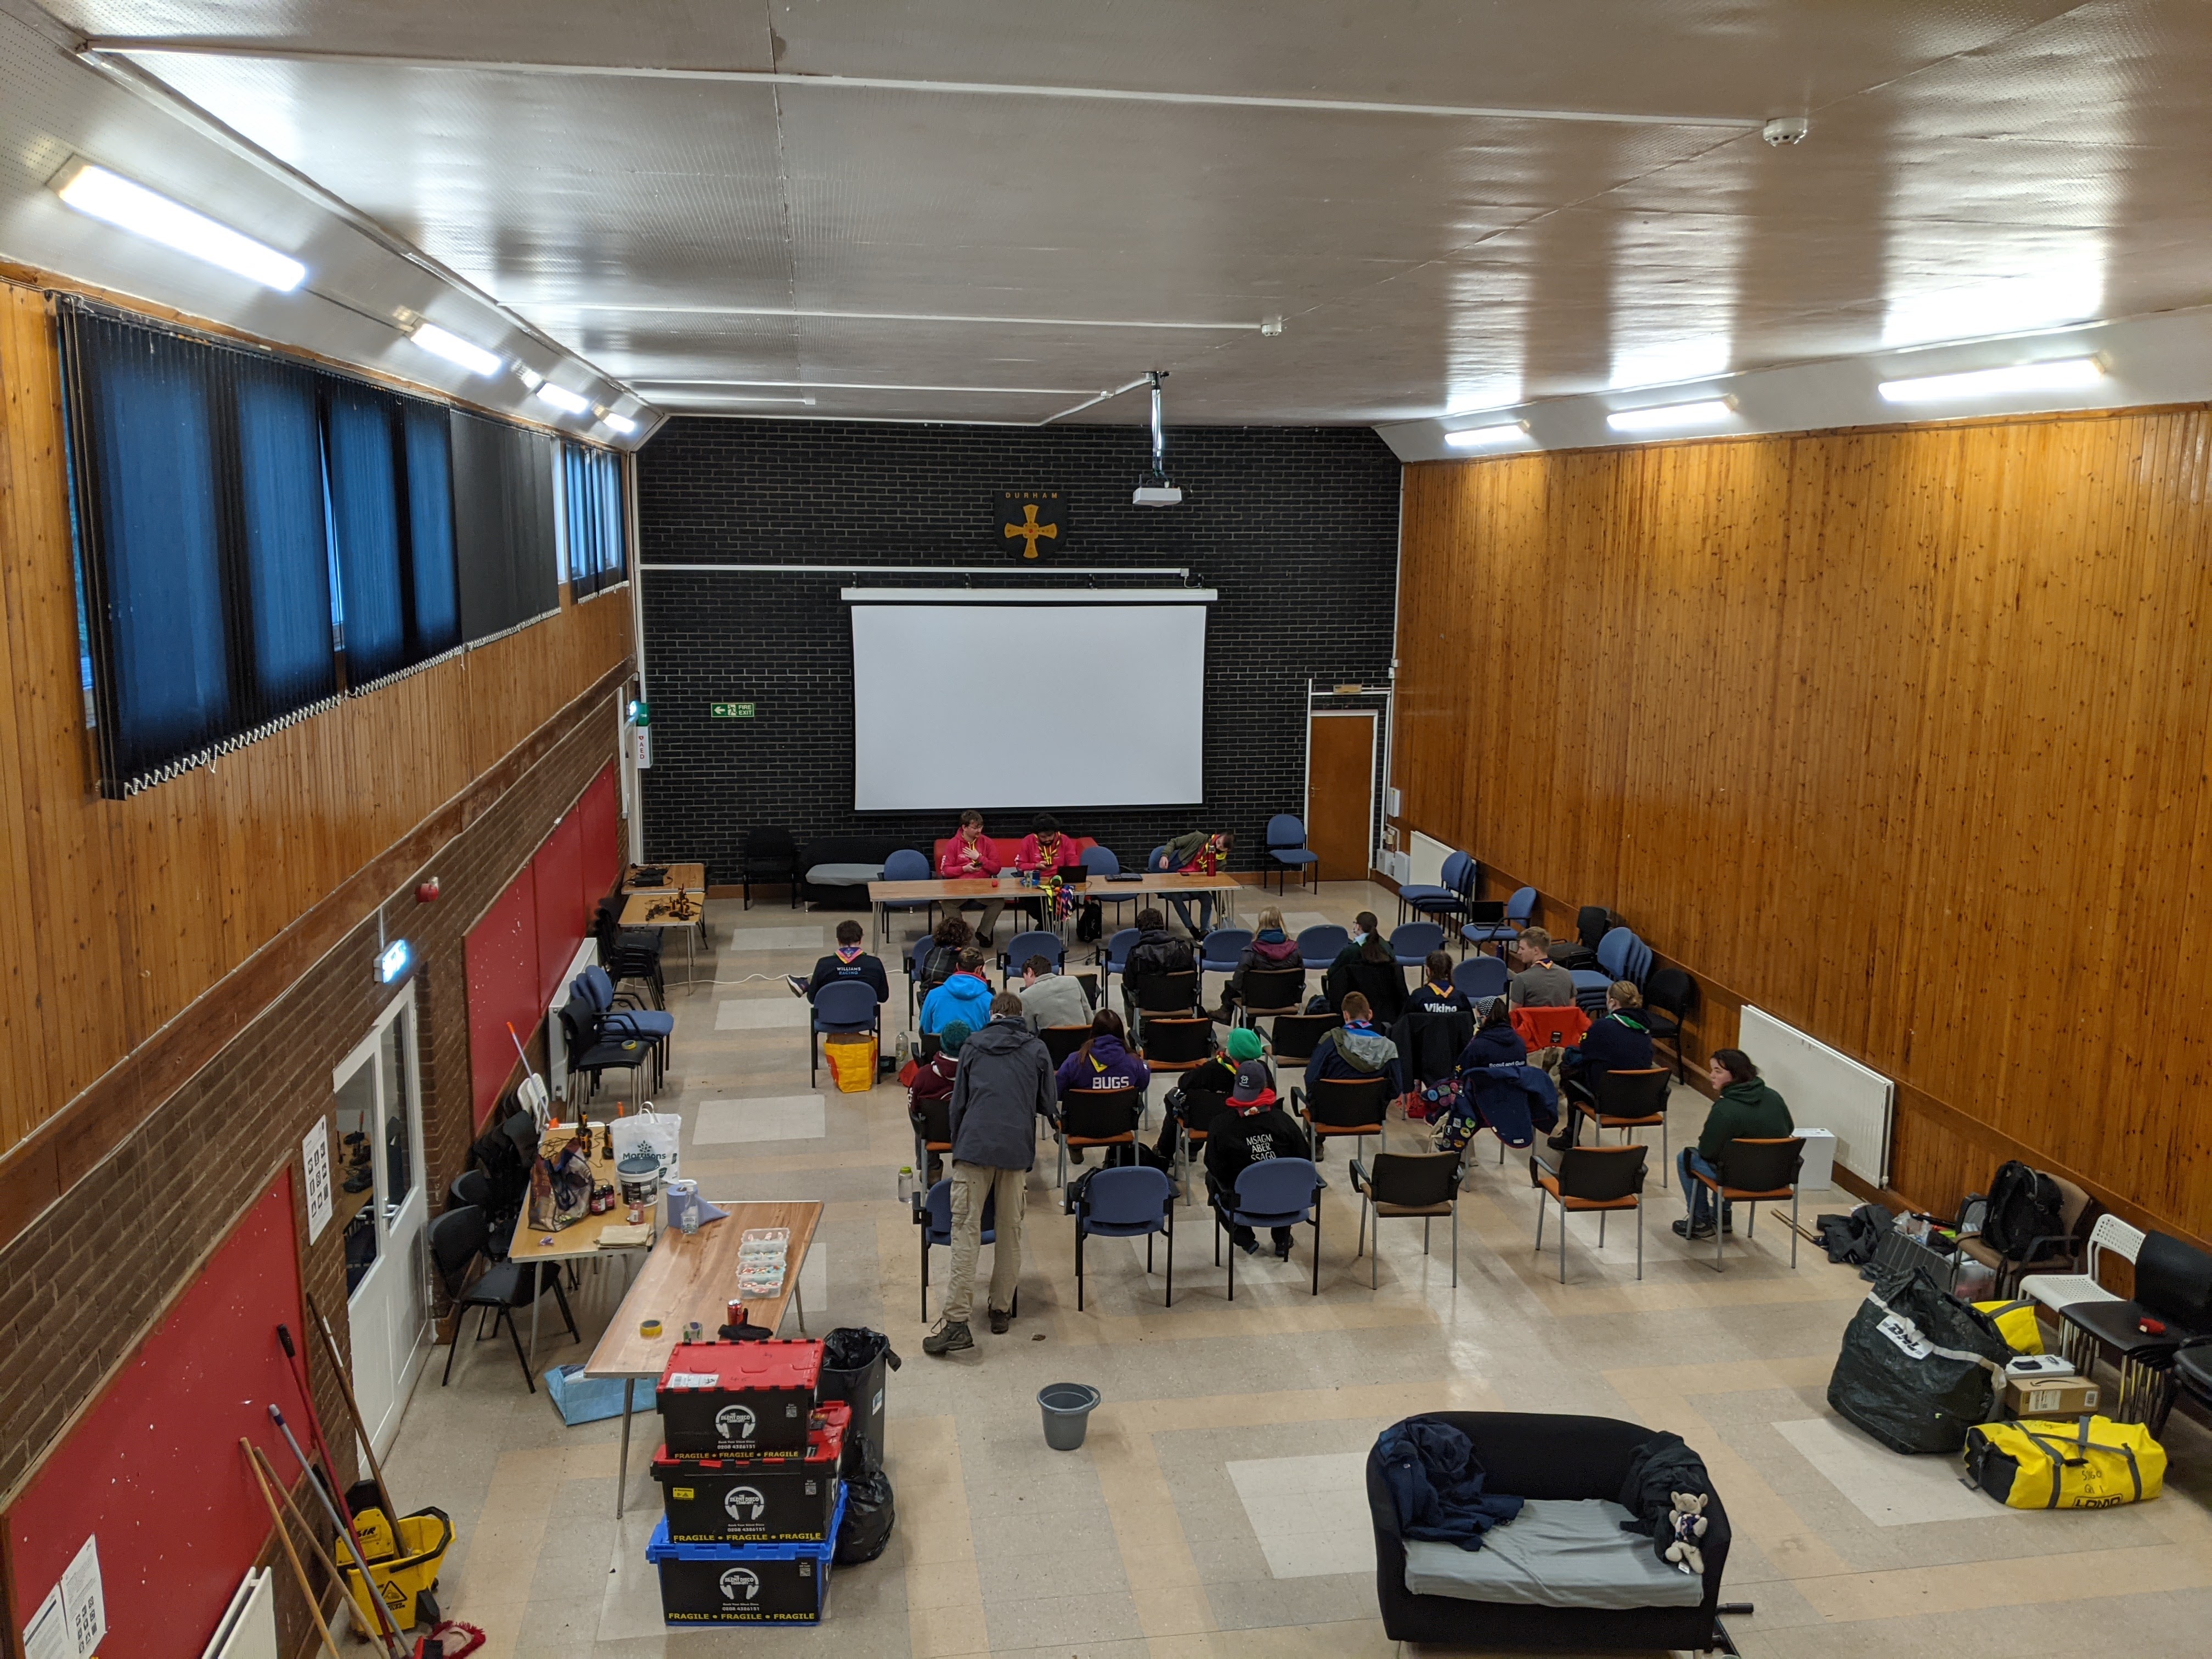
x=1031, y=516
x=730, y=711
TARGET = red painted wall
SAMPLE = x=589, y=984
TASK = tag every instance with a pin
x=501, y=958
x=558, y=870
x=601, y=812
x=154, y=1469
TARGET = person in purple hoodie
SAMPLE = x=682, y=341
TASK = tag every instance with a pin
x=1271, y=947
x=1102, y=1063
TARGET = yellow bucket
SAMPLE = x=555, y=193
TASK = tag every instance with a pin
x=406, y=1567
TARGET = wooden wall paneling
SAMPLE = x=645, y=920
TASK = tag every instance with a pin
x=1897, y=733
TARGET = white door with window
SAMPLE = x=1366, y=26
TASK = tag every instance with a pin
x=385, y=1215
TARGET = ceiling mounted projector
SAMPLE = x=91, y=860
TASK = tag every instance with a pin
x=1157, y=491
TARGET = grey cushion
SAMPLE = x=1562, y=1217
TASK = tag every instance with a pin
x=1557, y=1552
x=844, y=875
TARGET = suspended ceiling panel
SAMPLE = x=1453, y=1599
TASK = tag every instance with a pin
x=973, y=243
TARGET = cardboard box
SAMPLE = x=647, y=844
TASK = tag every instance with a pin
x=2063, y=1396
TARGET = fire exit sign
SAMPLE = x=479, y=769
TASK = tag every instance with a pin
x=732, y=711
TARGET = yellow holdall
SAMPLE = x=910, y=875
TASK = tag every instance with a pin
x=2015, y=1322
x=2092, y=1463
x=852, y=1062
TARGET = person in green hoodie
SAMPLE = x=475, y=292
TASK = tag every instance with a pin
x=1744, y=1109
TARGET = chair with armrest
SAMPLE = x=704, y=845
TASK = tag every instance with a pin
x=770, y=856
x=1276, y=1192
x=1670, y=995
x=1097, y=1117
x=845, y=1006
x=456, y=1239
x=1503, y=927
x=1285, y=843
x=1544, y=1458
x=1407, y=1185
x=1622, y=1100
x=1753, y=1172
x=1126, y=1203
x=1600, y=1178
x=1354, y=1106
x=2060, y=1253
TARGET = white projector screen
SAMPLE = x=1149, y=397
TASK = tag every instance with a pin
x=1027, y=705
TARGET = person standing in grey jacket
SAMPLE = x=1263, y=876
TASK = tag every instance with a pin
x=1004, y=1085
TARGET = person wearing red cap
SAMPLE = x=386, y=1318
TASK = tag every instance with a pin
x=1261, y=1130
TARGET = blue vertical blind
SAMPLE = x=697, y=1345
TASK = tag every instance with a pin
x=592, y=482
x=253, y=538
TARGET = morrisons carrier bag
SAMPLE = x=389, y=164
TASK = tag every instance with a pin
x=1918, y=1367
x=2091, y=1463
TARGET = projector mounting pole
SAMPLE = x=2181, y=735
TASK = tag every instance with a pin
x=1159, y=432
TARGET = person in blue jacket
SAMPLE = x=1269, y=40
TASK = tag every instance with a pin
x=965, y=996
x=1495, y=1041
x=1618, y=1042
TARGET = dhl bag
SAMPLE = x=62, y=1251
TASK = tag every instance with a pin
x=2016, y=1324
x=852, y=1063
x=2091, y=1464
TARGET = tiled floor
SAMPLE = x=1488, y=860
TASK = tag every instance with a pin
x=1215, y=1512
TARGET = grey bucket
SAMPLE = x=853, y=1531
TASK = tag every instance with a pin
x=1067, y=1408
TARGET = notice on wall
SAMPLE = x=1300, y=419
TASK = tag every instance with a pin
x=81, y=1600
x=315, y=1160
x=47, y=1635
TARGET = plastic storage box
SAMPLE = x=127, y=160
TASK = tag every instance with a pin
x=729, y=1500
x=744, y=1584
x=738, y=1399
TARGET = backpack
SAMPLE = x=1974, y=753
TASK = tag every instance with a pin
x=1090, y=923
x=939, y=965
x=2024, y=1206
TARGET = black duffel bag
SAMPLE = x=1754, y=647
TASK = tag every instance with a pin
x=1918, y=1366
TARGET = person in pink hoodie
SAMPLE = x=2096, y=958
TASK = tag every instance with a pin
x=971, y=855
x=1271, y=947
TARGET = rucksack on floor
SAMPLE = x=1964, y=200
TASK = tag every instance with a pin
x=2024, y=1206
x=1090, y=922
x=2092, y=1463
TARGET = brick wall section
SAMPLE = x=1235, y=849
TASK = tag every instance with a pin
x=81, y=1286
x=1297, y=527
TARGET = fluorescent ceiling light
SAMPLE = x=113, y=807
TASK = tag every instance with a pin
x=531, y=376
x=1482, y=437
x=103, y=195
x=621, y=423
x=454, y=349
x=2059, y=374
x=1668, y=417
x=562, y=399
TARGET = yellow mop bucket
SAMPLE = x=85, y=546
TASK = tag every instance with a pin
x=406, y=1567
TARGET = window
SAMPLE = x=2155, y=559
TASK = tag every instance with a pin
x=593, y=497
x=254, y=537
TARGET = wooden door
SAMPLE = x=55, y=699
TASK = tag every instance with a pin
x=1340, y=791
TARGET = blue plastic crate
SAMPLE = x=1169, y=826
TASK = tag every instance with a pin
x=581, y=1399
x=744, y=1583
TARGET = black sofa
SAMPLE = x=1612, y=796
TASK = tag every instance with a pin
x=842, y=849
x=1534, y=1454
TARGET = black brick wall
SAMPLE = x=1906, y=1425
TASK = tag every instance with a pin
x=1297, y=527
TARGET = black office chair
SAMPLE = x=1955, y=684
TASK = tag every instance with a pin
x=1622, y=1100
x=770, y=856
x=1752, y=1171
x=457, y=1238
x=1158, y=994
x=1175, y=1044
x=1271, y=993
x=1295, y=1036
x=1355, y=1106
x=933, y=1135
x=1600, y=1178
x=1669, y=996
x=1405, y=1185
x=1097, y=1117
x=592, y=1051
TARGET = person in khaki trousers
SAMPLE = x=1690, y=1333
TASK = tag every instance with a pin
x=1004, y=1085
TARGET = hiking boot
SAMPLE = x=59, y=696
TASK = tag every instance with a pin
x=1001, y=1320
x=1283, y=1249
x=1702, y=1232
x=947, y=1337
x=798, y=985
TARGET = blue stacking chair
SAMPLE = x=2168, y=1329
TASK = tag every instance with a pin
x=1099, y=862
x=1410, y=944
x=1478, y=977
x=1285, y=843
x=842, y=1005
x=1518, y=909
x=1591, y=983
x=1318, y=945
x=619, y=1016
x=933, y=1215
x=1222, y=950
x=917, y=961
x=1020, y=948
x=1278, y=1192
x=1115, y=959
x=1444, y=897
x=907, y=864
x=1126, y=1203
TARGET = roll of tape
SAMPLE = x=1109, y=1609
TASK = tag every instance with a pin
x=649, y=1328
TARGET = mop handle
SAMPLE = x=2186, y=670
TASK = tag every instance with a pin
x=387, y=1631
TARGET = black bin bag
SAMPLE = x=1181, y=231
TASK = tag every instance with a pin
x=856, y=1362
x=1918, y=1366
x=866, y=1532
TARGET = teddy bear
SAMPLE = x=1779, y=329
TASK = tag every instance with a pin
x=1686, y=1524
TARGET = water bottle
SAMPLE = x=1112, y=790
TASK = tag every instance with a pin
x=906, y=1183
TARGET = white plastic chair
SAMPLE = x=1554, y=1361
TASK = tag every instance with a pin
x=2057, y=1291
